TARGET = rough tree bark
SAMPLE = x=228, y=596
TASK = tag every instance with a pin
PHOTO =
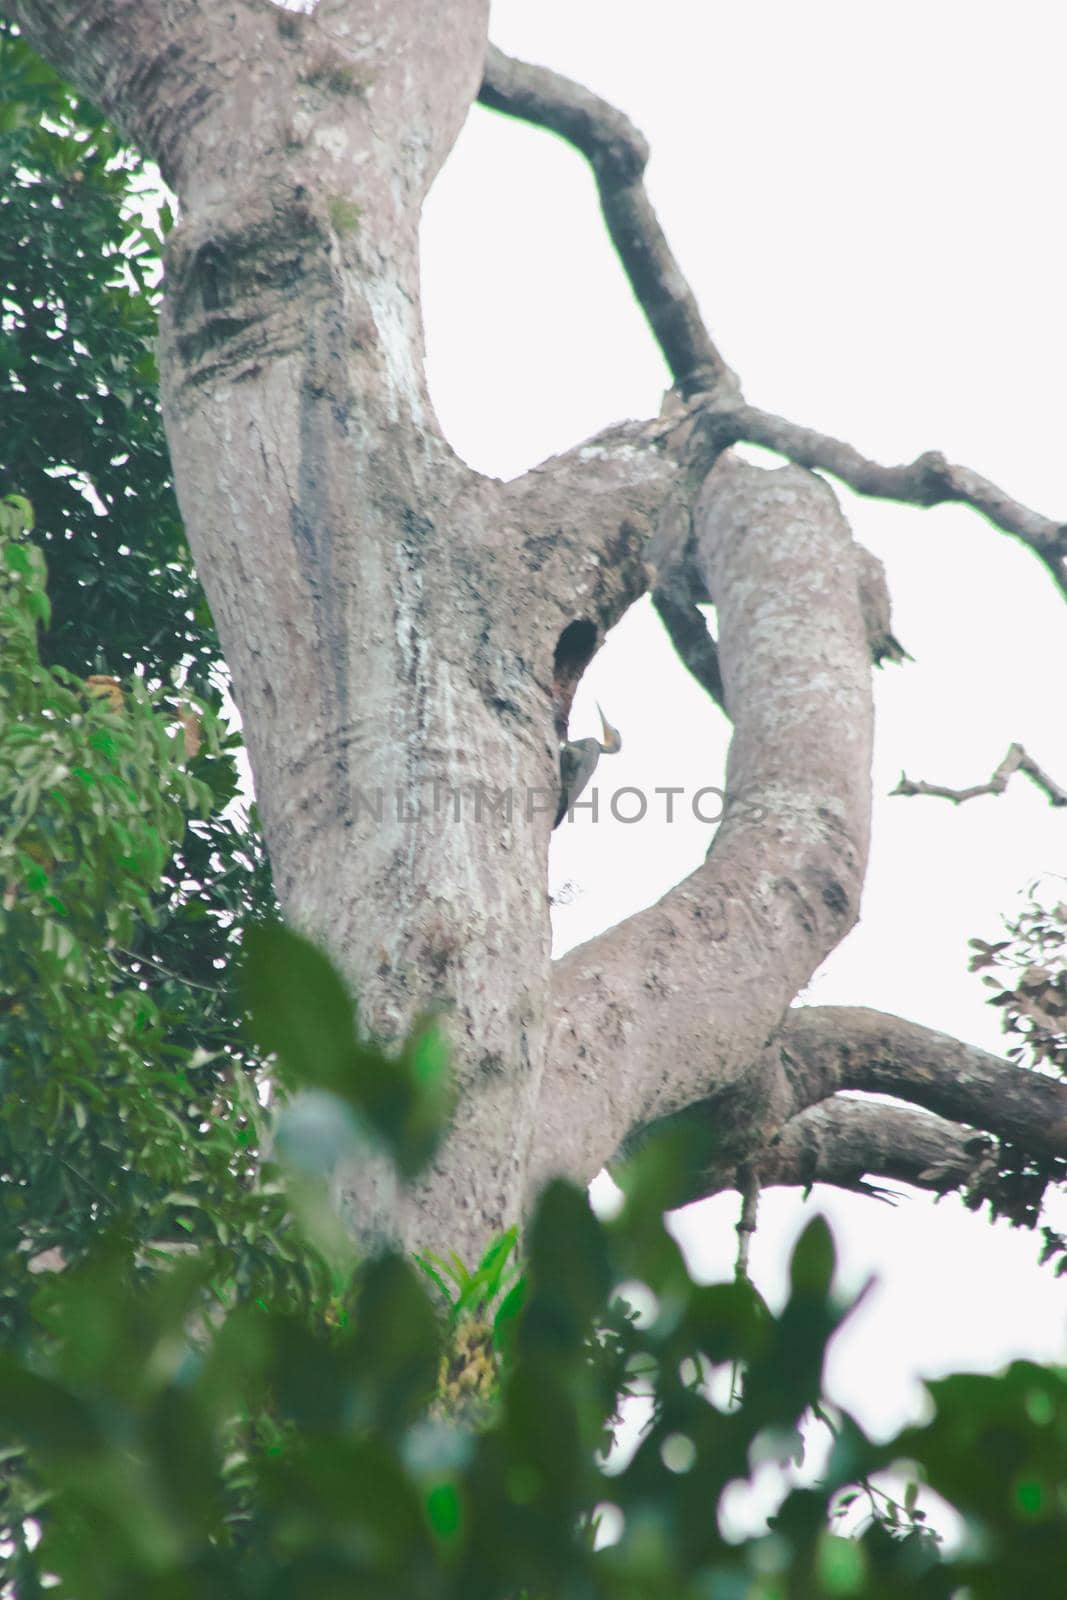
x=392, y=621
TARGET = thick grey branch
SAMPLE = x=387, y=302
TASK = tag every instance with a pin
x=1016, y=760
x=848, y=1142
x=827, y=1048
x=576, y=529
x=617, y=154
x=679, y=591
x=725, y=951
x=786, y=1119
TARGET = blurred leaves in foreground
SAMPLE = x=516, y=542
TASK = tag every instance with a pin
x=421, y=1428
x=157, y=1449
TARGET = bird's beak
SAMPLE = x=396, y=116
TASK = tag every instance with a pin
x=612, y=737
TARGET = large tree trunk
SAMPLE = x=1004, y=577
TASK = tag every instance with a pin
x=391, y=620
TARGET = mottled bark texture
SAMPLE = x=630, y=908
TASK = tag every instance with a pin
x=391, y=620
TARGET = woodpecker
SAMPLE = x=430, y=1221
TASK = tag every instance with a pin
x=577, y=763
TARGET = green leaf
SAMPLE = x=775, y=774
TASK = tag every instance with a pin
x=569, y=1271
x=299, y=1009
x=811, y=1269
x=43, y=1414
x=396, y=1346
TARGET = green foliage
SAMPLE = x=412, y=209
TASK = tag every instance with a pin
x=81, y=437
x=494, y=1281
x=997, y=1449
x=94, y=795
x=1026, y=973
x=301, y=1010
x=130, y=1092
x=255, y=1453
x=105, y=1120
x=80, y=430
x=365, y=1444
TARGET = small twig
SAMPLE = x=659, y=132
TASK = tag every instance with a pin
x=748, y=1184
x=1016, y=760
x=104, y=1199
x=149, y=961
x=617, y=153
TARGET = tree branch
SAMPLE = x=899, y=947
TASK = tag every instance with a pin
x=788, y=1121
x=581, y=524
x=1016, y=760
x=677, y=601
x=929, y=480
x=847, y=1142
x=723, y=954
x=687, y=628
x=748, y=1184
x=827, y=1048
x=617, y=154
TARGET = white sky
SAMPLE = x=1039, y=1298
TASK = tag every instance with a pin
x=866, y=200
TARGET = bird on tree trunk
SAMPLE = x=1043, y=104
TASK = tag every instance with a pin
x=577, y=763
